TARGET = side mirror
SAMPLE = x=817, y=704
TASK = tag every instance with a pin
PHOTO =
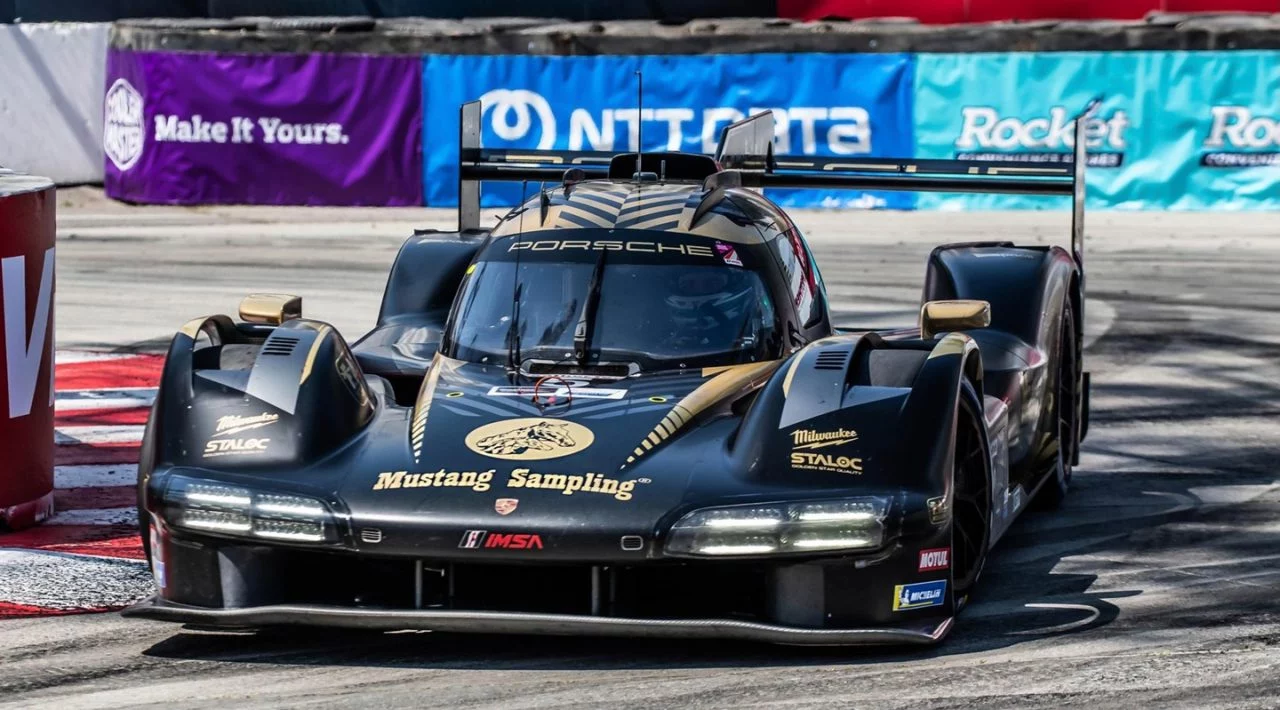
x=270, y=308
x=945, y=316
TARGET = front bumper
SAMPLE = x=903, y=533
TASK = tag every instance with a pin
x=490, y=622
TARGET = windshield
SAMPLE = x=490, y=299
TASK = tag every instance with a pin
x=664, y=301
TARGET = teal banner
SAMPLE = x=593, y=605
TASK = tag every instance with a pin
x=1176, y=130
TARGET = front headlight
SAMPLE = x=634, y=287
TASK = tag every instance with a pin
x=781, y=528
x=208, y=506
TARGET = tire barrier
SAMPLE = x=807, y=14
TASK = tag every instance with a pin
x=26, y=342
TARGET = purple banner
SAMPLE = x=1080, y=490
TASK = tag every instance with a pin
x=277, y=129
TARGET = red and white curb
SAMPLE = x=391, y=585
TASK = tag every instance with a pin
x=88, y=556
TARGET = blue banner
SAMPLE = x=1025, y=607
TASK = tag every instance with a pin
x=1222, y=116
x=1176, y=130
x=825, y=104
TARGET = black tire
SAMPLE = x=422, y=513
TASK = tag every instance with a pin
x=1066, y=412
x=971, y=502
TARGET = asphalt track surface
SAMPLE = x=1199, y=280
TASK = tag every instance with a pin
x=1156, y=585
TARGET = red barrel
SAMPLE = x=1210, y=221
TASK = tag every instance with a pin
x=26, y=349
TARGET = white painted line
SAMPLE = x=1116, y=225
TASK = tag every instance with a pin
x=71, y=357
x=1093, y=612
x=117, y=398
x=67, y=555
x=95, y=516
x=95, y=476
x=93, y=434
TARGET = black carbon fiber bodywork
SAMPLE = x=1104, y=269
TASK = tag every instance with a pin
x=478, y=495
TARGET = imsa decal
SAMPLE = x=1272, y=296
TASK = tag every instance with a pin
x=485, y=540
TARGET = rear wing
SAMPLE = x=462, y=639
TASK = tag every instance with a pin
x=746, y=147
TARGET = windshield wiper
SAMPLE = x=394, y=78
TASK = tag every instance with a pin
x=582, y=333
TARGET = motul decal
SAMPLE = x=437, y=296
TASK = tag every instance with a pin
x=939, y=558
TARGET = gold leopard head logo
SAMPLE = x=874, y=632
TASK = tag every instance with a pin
x=529, y=439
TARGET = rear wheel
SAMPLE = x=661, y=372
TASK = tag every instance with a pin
x=1066, y=411
x=971, y=509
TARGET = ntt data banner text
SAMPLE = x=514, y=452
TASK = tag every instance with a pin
x=1175, y=130
x=319, y=129
x=825, y=104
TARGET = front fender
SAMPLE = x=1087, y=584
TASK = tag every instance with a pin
x=246, y=397
x=860, y=412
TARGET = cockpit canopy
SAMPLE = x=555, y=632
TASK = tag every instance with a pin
x=618, y=300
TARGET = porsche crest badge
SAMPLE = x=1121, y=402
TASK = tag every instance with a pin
x=505, y=506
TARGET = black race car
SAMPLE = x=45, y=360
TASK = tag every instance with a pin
x=624, y=410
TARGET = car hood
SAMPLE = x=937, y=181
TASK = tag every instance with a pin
x=588, y=468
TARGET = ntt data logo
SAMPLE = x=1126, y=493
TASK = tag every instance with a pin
x=526, y=116
x=1239, y=139
x=122, y=133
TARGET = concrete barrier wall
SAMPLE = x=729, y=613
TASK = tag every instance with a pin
x=51, y=80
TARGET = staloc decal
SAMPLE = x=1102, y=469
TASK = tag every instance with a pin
x=805, y=442
x=234, y=447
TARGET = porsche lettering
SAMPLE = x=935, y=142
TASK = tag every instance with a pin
x=643, y=247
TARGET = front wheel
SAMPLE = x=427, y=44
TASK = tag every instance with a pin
x=971, y=510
